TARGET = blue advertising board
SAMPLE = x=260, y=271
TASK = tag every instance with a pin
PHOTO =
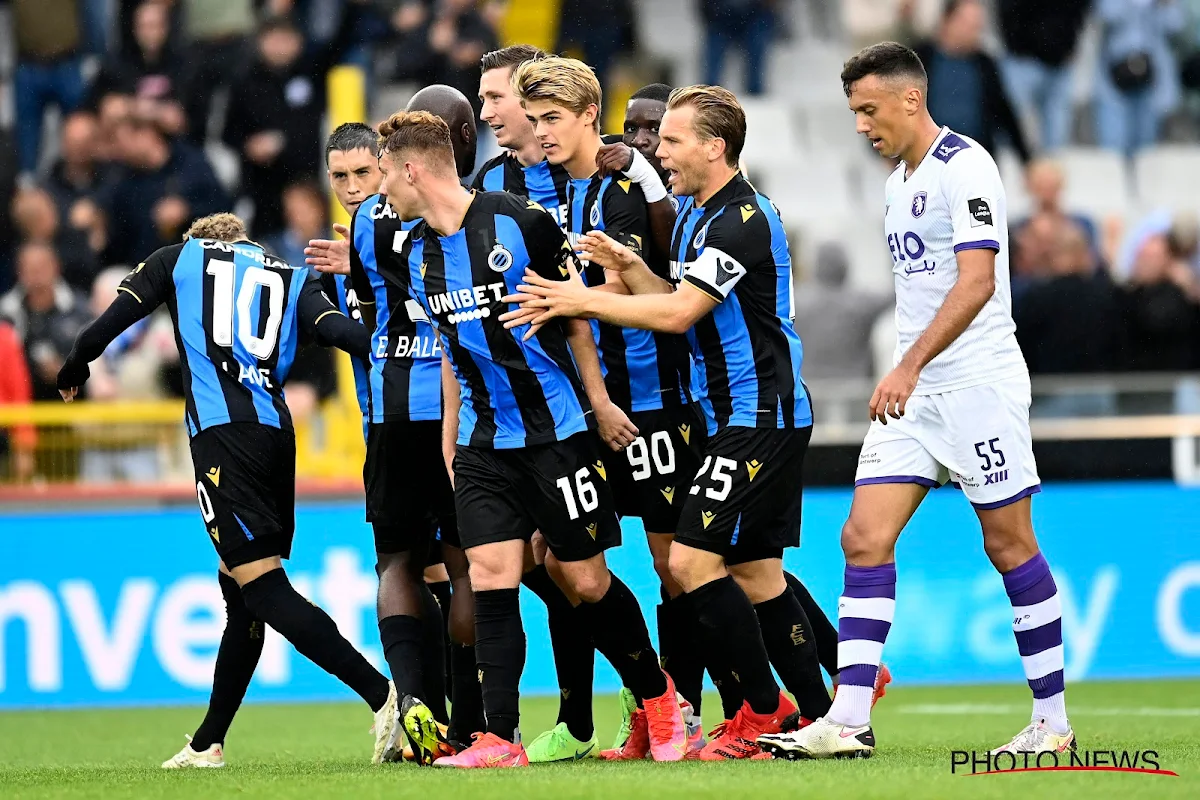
x=122, y=607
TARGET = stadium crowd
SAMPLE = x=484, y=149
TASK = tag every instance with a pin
x=172, y=109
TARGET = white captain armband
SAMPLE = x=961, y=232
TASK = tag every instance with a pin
x=415, y=312
x=715, y=273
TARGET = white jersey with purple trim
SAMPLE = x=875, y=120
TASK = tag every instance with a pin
x=953, y=201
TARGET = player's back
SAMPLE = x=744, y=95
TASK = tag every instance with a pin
x=953, y=202
x=237, y=328
x=405, y=376
x=543, y=183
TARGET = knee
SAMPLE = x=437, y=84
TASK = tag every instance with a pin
x=591, y=585
x=692, y=568
x=392, y=567
x=1009, y=549
x=860, y=544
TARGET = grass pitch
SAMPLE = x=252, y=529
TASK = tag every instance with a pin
x=317, y=751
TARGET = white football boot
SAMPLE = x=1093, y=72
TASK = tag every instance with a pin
x=821, y=739
x=204, y=759
x=1037, y=738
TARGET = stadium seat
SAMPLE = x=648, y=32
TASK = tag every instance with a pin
x=771, y=135
x=804, y=191
x=1097, y=181
x=1169, y=176
x=828, y=126
x=225, y=164
x=1012, y=174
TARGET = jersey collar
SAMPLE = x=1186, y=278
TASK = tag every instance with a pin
x=728, y=192
x=936, y=141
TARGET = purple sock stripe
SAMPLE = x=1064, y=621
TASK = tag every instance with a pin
x=1042, y=590
x=1022, y=583
x=1043, y=687
x=874, y=630
x=860, y=675
x=1008, y=501
x=1040, y=639
x=871, y=581
x=920, y=480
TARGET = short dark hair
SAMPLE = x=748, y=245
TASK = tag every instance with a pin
x=351, y=136
x=887, y=60
x=511, y=56
x=654, y=91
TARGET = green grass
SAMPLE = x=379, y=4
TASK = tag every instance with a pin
x=316, y=751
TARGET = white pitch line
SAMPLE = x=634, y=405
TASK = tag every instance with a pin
x=964, y=709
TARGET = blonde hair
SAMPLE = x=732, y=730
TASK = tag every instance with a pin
x=565, y=82
x=427, y=134
x=224, y=227
x=719, y=115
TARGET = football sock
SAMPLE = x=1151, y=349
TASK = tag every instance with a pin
x=442, y=591
x=433, y=655
x=500, y=657
x=466, y=696
x=1037, y=624
x=824, y=634
x=793, y=652
x=574, y=653
x=730, y=688
x=272, y=599
x=679, y=651
x=619, y=630
x=237, y=656
x=866, y=607
x=729, y=625
x=401, y=637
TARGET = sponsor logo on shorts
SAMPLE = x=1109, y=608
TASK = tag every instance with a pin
x=686, y=432
x=706, y=517
x=599, y=465
x=753, y=467
x=591, y=529
x=669, y=494
x=996, y=477
x=214, y=475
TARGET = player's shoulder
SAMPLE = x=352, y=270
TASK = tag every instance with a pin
x=622, y=190
x=747, y=214
x=373, y=209
x=169, y=255
x=519, y=207
x=961, y=157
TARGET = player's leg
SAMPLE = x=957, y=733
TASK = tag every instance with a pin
x=823, y=632
x=437, y=579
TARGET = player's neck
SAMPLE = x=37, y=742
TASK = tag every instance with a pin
x=530, y=153
x=717, y=181
x=583, y=163
x=927, y=133
x=447, y=207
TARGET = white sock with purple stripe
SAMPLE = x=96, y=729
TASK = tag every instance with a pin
x=865, y=612
x=1037, y=624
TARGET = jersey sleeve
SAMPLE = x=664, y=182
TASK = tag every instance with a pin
x=322, y=319
x=626, y=215
x=547, y=245
x=736, y=242
x=972, y=190
x=151, y=283
x=362, y=232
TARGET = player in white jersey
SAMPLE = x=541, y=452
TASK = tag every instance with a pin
x=954, y=407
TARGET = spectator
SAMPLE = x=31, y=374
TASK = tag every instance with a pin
x=748, y=24
x=275, y=116
x=46, y=313
x=405, y=54
x=601, y=29
x=835, y=320
x=111, y=111
x=80, y=184
x=49, y=39
x=304, y=212
x=907, y=21
x=167, y=184
x=1040, y=39
x=1160, y=311
x=1070, y=321
x=218, y=32
x=965, y=92
x=37, y=220
x=1137, y=83
x=458, y=38
x=1044, y=184
x=18, y=442
x=150, y=71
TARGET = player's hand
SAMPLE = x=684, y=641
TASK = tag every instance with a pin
x=70, y=377
x=613, y=158
x=598, y=247
x=549, y=298
x=330, y=255
x=616, y=429
x=892, y=394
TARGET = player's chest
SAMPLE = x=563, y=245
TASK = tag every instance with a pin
x=457, y=285
x=688, y=239
x=918, y=229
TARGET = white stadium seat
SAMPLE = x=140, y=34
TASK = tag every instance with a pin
x=1097, y=181
x=1169, y=176
x=771, y=135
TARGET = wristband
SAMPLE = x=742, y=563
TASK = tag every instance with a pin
x=644, y=175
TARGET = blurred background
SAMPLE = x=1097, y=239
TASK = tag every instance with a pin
x=121, y=120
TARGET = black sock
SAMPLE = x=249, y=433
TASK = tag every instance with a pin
x=241, y=645
x=720, y=669
x=500, y=657
x=729, y=624
x=273, y=599
x=619, y=631
x=574, y=654
x=793, y=652
x=679, y=651
x=433, y=655
x=466, y=695
x=824, y=634
x=441, y=590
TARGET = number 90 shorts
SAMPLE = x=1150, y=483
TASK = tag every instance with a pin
x=977, y=437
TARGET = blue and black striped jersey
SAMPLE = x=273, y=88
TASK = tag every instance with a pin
x=747, y=352
x=514, y=393
x=406, y=358
x=237, y=312
x=543, y=183
x=643, y=371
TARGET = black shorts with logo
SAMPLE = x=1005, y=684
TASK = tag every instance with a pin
x=745, y=501
x=650, y=478
x=246, y=487
x=409, y=498
x=559, y=488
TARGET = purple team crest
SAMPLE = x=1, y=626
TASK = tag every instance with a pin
x=920, y=202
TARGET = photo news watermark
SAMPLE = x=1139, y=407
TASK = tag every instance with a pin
x=974, y=762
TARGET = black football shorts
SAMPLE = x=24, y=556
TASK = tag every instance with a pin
x=409, y=499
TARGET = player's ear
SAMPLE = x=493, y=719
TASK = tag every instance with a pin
x=912, y=100
x=716, y=149
x=591, y=114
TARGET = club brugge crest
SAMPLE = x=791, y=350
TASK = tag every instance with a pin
x=594, y=216
x=500, y=259
x=698, y=242
x=920, y=202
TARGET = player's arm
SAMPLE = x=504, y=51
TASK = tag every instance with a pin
x=329, y=326
x=627, y=225
x=620, y=157
x=451, y=404
x=142, y=291
x=599, y=248
x=613, y=424
x=361, y=228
